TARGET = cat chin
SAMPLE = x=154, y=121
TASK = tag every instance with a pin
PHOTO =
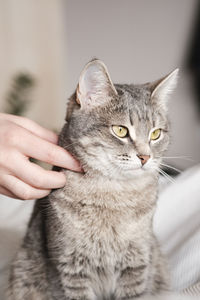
x=139, y=173
x=134, y=173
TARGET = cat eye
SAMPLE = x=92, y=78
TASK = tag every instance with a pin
x=155, y=134
x=120, y=131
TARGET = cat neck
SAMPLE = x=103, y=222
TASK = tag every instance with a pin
x=101, y=183
x=106, y=192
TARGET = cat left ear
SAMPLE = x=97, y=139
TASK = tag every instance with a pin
x=161, y=89
x=95, y=86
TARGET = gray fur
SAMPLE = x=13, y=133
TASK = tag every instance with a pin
x=93, y=239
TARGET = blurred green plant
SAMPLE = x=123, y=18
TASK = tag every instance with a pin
x=18, y=98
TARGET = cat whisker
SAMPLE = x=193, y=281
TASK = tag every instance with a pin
x=67, y=146
x=178, y=157
x=167, y=176
x=170, y=167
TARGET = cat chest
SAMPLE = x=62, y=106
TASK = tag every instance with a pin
x=100, y=234
x=97, y=245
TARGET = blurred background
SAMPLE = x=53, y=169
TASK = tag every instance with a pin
x=43, y=47
x=46, y=43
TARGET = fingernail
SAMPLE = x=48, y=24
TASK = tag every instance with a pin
x=77, y=167
x=71, y=163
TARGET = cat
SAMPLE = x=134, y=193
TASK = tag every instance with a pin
x=93, y=239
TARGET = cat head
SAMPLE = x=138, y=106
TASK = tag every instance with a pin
x=118, y=130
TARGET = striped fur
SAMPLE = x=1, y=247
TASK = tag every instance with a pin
x=93, y=239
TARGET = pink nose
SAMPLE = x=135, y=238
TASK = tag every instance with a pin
x=143, y=158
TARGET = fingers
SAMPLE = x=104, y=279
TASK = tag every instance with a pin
x=7, y=193
x=21, y=189
x=45, y=151
x=31, y=145
x=21, y=139
x=32, y=127
x=25, y=180
x=36, y=176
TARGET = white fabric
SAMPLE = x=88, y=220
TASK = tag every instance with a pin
x=176, y=224
x=14, y=216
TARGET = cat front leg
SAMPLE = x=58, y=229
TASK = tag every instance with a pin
x=77, y=286
x=132, y=283
x=79, y=293
x=29, y=294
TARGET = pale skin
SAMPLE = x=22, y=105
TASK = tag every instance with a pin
x=20, y=139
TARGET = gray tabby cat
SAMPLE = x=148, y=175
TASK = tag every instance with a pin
x=93, y=239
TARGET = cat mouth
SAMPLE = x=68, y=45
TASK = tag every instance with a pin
x=134, y=168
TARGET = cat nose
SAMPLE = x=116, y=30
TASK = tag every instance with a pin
x=143, y=158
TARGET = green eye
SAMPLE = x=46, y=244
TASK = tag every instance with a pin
x=155, y=134
x=120, y=131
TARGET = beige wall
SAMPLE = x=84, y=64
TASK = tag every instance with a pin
x=32, y=40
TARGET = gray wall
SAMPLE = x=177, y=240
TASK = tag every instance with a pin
x=139, y=40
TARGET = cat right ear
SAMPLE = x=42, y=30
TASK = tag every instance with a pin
x=161, y=89
x=95, y=86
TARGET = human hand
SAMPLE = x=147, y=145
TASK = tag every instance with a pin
x=20, y=139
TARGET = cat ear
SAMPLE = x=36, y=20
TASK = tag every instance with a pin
x=95, y=86
x=161, y=89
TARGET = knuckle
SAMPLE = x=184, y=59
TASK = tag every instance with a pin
x=8, y=158
x=12, y=137
x=4, y=159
